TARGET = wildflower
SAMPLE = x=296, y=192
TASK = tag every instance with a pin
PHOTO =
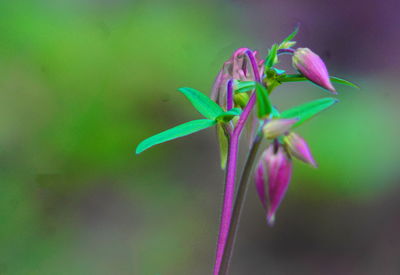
x=274, y=167
x=313, y=68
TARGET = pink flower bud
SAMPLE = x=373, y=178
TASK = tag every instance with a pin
x=236, y=67
x=278, y=127
x=312, y=67
x=298, y=148
x=274, y=167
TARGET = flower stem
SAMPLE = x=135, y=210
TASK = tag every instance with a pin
x=230, y=179
x=229, y=192
x=238, y=207
x=287, y=51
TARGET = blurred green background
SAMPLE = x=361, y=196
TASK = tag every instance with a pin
x=82, y=82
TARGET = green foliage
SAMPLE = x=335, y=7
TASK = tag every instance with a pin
x=176, y=132
x=223, y=145
x=291, y=78
x=202, y=103
x=272, y=57
x=264, y=107
x=244, y=86
x=287, y=43
x=275, y=113
x=343, y=81
x=228, y=115
x=271, y=81
x=299, y=77
x=205, y=106
x=308, y=110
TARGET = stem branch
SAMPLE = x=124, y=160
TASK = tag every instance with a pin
x=239, y=203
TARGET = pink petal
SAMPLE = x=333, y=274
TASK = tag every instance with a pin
x=260, y=183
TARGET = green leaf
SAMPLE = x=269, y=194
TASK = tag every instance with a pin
x=264, y=107
x=308, y=110
x=228, y=115
x=290, y=36
x=271, y=79
x=202, y=103
x=272, y=57
x=223, y=145
x=343, y=81
x=275, y=113
x=279, y=71
x=244, y=86
x=292, y=78
x=299, y=77
x=176, y=132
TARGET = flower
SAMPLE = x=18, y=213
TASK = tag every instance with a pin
x=274, y=168
x=236, y=67
x=313, y=68
x=275, y=165
x=298, y=148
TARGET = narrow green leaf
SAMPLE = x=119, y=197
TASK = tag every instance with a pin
x=272, y=57
x=275, y=113
x=279, y=71
x=308, y=110
x=176, y=132
x=264, y=107
x=223, y=145
x=299, y=77
x=343, y=81
x=291, y=78
x=244, y=86
x=202, y=103
x=291, y=36
x=228, y=115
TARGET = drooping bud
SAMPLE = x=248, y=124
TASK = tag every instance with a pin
x=278, y=127
x=279, y=172
x=313, y=68
x=274, y=169
x=298, y=148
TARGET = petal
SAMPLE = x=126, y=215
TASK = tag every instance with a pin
x=260, y=183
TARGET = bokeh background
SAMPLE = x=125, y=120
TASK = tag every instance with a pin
x=82, y=82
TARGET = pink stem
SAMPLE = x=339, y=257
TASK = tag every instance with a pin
x=231, y=168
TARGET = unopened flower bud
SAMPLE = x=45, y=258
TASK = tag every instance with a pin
x=236, y=67
x=298, y=148
x=278, y=127
x=313, y=68
x=241, y=99
x=274, y=168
